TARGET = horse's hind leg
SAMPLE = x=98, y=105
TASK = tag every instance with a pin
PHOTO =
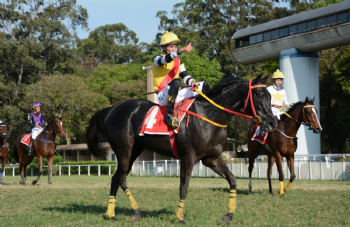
x=41, y=171
x=219, y=166
x=290, y=162
x=119, y=180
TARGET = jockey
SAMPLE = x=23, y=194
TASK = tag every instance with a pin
x=36, y=122
x=167, y=68
x=278, y=94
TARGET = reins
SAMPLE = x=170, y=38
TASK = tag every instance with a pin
x=255, y=117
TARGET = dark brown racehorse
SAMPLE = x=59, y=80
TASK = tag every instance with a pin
x=283, y=141
x=43, y=147
x=4, y=147
x=200, y=140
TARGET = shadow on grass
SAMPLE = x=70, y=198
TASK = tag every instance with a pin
x=74, y=208
x=239, y=192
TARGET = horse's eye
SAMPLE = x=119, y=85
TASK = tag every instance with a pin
x=260, y=96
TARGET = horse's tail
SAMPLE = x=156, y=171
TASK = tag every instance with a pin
x=95, y=133
x=15, y=153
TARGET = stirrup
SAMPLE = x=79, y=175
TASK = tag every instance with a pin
x=175, y=122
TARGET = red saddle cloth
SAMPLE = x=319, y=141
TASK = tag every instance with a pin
x=26, y=139
x=260, y=137
x=154, y=124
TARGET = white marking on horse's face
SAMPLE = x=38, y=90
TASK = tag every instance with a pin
x=61, y=122
x=315, y=112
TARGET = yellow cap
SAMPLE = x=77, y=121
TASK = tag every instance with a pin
x=169, y=37
x=277, y=75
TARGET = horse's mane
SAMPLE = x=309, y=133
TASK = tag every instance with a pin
x=291, y=110
x=224, y=82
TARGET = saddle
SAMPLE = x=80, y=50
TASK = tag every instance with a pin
x=26, y=139
x=154, y=124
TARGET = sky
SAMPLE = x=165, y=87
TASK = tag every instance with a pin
x=137, y=15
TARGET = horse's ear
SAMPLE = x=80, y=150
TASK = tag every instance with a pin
x=313, y=100
x=306, y=100
x=263, y=80
x=257, y=79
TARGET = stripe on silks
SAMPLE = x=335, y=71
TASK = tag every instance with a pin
x=180, y=210
x=232, y=203
x=288, y=186
x=281, y=188
x=111, y=207
x=132, y=200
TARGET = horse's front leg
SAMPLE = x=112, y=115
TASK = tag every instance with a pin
x=253, y=148
x=280, y=172
x=219, y=166
x=185, y=176
x=41, y=171
x=270, y=162
x=290, y=162
x=49, y=168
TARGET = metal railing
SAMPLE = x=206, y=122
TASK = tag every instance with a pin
x=327, y=169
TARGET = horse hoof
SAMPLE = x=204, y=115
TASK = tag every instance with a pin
x=114, y=218
x=34, y=182
x=22, y=182
x=181, y=221
x=136, y=216
x=226, y=219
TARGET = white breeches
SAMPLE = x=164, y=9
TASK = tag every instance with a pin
x=183, y=93
x=36, y=132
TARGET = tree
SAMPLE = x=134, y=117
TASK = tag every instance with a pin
x=67, y=95
x=113, y=43
x=38, y=38
x=210, y=25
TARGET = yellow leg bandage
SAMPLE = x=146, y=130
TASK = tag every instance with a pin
x=281, y=188
x=232, y=203
x=288, y=186
x=180, y=210
x=111, y=207
x=132, y=200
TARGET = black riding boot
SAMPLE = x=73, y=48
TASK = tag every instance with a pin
x=173, y=90
x=30, y=147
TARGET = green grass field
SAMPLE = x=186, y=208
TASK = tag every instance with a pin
x=82, y=201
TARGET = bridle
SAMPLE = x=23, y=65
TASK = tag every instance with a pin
x=250, y=96
x=56, y=132
x=304, y=122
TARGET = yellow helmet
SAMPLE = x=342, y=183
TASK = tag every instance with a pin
x=168, y=38
x=277, y=75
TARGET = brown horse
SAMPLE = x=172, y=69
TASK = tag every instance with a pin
x=44, y=147
x=4, y=147
x=283, y=141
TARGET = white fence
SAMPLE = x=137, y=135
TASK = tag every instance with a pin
x=304, y=169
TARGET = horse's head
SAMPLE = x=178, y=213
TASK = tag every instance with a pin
x=3, y=130
x=58, y=127
x=310, y=116
x=262, y=104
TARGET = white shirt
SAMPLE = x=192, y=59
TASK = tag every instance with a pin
x=278, y=98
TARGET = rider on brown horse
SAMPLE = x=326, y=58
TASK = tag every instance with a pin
x=167, y=68
x=36, y=122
